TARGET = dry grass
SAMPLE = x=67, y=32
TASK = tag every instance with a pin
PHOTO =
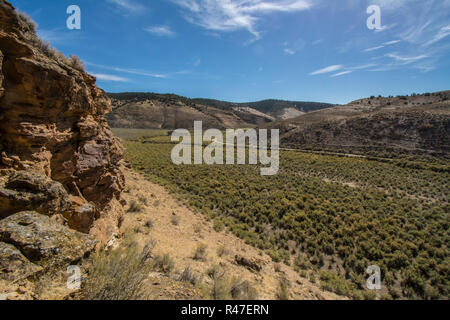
x=283, y=289
x=163, y=263
x=200, y=252
x=221, y=287
x=190, y=276
x=119, y=274
x=243, y=290
x=76, y=63
x=134, y=207
x=26, y=19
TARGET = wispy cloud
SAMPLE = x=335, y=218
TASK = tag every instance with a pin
x=341, y=73
x=389, y=43
x=109, y=77
x=128, y=5
x=362, y=67
x=197, y=62
x=289, y=51
x=329, y=69
x=406, y=60
x=129, y=71
x=443, y=33
x=232, y=15
x=374, y=48
x=160, y=31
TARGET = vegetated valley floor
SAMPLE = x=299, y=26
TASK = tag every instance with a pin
x=325, y=216
x=194, y=246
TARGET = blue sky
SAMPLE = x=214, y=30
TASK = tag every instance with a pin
x=247, y=50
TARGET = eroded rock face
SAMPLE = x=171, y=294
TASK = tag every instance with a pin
x=43, y=241
x=52, y=123
x=32, y=191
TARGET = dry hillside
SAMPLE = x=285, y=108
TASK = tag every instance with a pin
x=417, y=124
x=158, y=111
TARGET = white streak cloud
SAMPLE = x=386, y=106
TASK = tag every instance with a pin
x=341, y=73
x=160, y=31
x=329, y=69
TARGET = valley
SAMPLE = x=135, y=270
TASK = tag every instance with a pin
x=326, y=216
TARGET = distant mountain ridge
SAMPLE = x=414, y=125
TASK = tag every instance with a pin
x=169, y=111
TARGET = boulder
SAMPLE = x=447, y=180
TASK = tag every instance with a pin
x=252, y=264
x=43, y=241
x=14, y=265
x=24, y=190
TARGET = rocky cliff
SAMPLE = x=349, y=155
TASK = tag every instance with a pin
x=58, y=158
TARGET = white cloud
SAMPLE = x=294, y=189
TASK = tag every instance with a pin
x=362, y=67
x=341, y=73
x=289, y=51
x=443, y=33
x=129, y=71
x=327, y=70
x=389, y=43
x=197, y=62
x=232, y=15
x=374, y=48
x=160, y=31
x=109, y=77
x=406, y=60
x=128, y=5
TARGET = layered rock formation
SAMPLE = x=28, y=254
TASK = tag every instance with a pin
x=58, y=157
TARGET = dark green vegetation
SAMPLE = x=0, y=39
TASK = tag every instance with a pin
x=270, y=106
x=335, y=215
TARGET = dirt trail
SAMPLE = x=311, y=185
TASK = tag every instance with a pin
x=179, y=231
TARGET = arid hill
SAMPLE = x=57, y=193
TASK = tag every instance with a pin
x=157, y=111
x=416, y=124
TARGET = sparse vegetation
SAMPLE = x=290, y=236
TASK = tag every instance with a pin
x=190, y=276
x=243, y=290
x=134, y=207
x=76, y=63
x=200, y=252
x=26, y=19
x=163, y=263
x=175, y=220
x=119, y=274
x=222, y=251
x=283, y=289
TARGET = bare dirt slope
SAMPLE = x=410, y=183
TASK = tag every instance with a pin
x=179, y=231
